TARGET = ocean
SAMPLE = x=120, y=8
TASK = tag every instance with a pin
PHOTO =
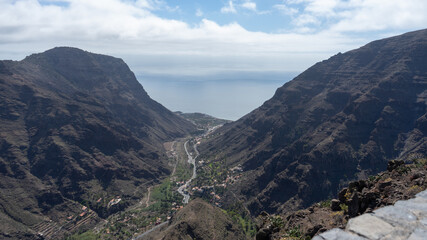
x=227, y=96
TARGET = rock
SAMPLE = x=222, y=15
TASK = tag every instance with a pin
x=416, y=175
x=337, y=234
x=384, y=184
x=405, y=220
x=341, y=195
x=264, y=214
x=422, y=194
x=418, y=234
x=398, y=234
x=369, y=210
x=393, y=164
x=369, y=200
x=313, y=230
x=398, y=216
x=353, y=205
x=419, y=181
x=369, y=226
x=261, y=220
x=263, y=234
x=335, y=205
x=353, y=185
x=417, y=205
x=362, y=184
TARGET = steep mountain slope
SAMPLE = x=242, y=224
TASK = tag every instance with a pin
x=76, y=127
x=199, y=220
x=341, y=119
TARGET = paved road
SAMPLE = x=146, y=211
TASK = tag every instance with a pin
x=183, y=189
x=151, y=230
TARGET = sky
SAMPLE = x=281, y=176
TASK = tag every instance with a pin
x=196, y=40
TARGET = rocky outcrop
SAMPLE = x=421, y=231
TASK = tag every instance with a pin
x=340, y=120
x=403, y=220
x=76, y=127
x=200, y=220
x=372, y=195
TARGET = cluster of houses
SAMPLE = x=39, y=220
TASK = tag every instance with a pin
x=85, y=210
x=233, y=175
x=114, y=201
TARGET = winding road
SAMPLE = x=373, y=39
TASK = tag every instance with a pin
x=183, y=189
x=151, y=230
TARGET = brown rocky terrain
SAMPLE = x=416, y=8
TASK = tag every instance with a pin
x=199, y=220
x=400, y=182
x=341, y=119
x=76, y=129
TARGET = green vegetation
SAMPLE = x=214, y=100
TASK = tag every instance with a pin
x=294, y=232
x=213, y=172
x=421, y=162
x=240, y=216
x=403, y=169
x=326, y=203
x=126, y=224
x=163, y=196
x=372, y=178
x=277, y=221
x=244, y=222
x=183, y=173
x=344, y=207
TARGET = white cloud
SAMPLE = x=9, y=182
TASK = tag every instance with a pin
x=376, y=15
x=130, y=30
x=249, y=5
x=229, y=8
x=358, y=15
x=155, y=5
x=306, y=19
x=286, y=9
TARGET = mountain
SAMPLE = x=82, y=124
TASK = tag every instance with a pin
x=76, y=129
x=199, y=220
x=339, y=120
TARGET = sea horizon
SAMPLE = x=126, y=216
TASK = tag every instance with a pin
x=223, y=95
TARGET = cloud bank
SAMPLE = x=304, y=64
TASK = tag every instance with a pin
x=153, y=44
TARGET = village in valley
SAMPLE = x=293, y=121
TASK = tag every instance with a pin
x=161, y=202
x=192, y=177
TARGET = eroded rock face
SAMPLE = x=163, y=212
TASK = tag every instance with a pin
x=76, y=127
x=342, y=118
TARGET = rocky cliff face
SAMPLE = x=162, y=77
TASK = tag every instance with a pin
x=76, y=127
x=341, y=119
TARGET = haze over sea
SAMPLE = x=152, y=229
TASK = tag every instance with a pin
x=228, y=95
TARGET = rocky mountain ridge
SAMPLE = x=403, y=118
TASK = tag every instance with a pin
x=339, y=120
x=77, y=130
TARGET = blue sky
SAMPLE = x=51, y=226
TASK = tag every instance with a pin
x=202, y=40
x=254, y=16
